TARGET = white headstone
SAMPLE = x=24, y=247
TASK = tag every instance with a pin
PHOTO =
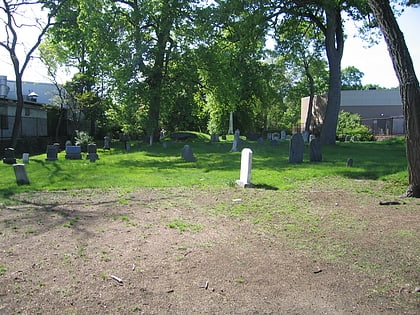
x=283, y=135
x=246, y=167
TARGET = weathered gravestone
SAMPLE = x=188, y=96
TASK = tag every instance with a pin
x=297, y=147
x=246, y=167
x=236, y=140
x=25, y=158
x=187, y=154
x=73, y=152
x=92, y=154
x=107, y=143
x=9, y=156
x=283, y=135
x=315, y=152
x=349, y=162
x=52, y=152
x=214, y=137
x=21, y=175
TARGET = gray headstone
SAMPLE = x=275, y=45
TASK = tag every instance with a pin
x=73, y=152
x=349, y=162
x=236, y=140
x=52, y=152
x=315, y=151
x=68, y=142
x=25, y=158
x=297, y=147
x=9, y=156
x=275, y=136
x=107, y=143
x=283, y=135
x=20, y=173
x=246, y=167
x=92, y=154
x=187, y=154
x=305, y=136
x=214, y=137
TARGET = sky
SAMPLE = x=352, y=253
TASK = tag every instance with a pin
x=374, y=62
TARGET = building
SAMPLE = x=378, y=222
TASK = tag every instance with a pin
x=34, y=113
x=380, y=110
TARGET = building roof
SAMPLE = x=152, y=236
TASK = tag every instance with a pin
x=389, y=97
x=46, y=91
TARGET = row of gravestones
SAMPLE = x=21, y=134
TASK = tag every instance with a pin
x=296, y=151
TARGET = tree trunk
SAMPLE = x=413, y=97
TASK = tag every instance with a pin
x=311, y=97
x=19, y=107
x=334, y=42
x=409, y=88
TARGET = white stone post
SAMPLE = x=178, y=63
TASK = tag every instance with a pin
x=246, y=166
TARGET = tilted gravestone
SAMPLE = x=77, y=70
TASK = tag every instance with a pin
x=107, y=143
x=246, y=167
x=187, y=154
x=315, y=152
x=21, y=175
x=297, y=148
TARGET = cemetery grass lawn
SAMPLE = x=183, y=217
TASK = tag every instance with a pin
x=146, y=233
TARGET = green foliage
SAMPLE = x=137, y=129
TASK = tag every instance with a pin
x=82, y=138
x=351, y=78
x=350, y=125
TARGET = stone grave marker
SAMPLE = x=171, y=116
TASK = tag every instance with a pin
x=107, y=143
x=73, y=152
x=315, y=152
x=305, y=136
x=214, y=137
x=349, y=162
x=187, y=154
x=297, y=147
x=92, y=154
x=9, y=156
x=236, y=140
x=275, y=136
x=246, y=167
x=68, y=142
x=20, y=174
x=25, y=158
x=283, y=135
x=52, y=152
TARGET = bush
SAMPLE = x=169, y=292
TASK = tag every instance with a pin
x=83, y=139
x=349, y=124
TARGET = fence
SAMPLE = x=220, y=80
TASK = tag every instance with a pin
x=386, y=126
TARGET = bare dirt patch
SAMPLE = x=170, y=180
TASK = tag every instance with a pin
x=196, y=251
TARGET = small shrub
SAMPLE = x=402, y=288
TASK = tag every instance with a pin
x=350, y=125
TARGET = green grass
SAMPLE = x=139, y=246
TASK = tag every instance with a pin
x=215, y=166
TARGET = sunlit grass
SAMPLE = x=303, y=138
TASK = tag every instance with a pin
x=216, y=166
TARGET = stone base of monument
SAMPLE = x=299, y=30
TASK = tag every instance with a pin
x=244, y=184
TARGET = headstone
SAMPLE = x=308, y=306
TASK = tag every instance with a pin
x=305, y=136
x=127, y=146
x=52, y=152
x=269, y=136
x=214, y=137
x=187, y=154
x=246, y=167
x=68, y=142
x=25, y=158
x=348, y=138
x=275, y=136
x=297, y=148
x=349, y=162
x=9, y=156
x=74, y=152
x=283, y=135
x=315, y=152
x=107, y=143
x=92, y=154
x=236, y=140
x=165, y=144
x=20, y=174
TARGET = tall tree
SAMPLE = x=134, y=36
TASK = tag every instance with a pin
x=351, y=79
x=17, y=19
x=327, y=15
x=409, y=87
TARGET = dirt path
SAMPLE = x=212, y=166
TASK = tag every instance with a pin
x=65, y=252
